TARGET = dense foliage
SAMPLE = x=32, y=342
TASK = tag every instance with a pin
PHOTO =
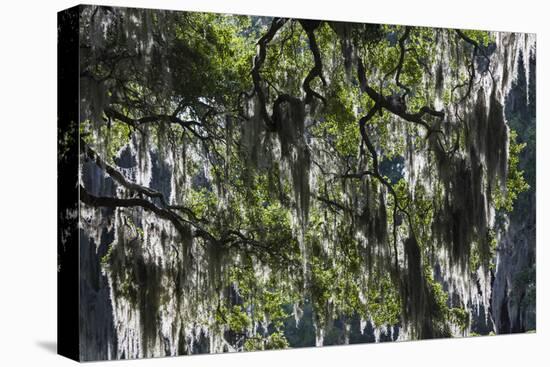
x=265, y=179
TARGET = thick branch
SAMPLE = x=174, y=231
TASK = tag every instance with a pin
x=398, y=108
x=309, y=27
x=362, y=128
x=115, y=202
x=132, y=186
x=402, y=59
x=136, y=123
x=399, y=67
x=230, y=237
x=259, y=59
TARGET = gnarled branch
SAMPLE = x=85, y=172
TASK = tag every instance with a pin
x=259, y=60
x=399, y=109
x=309, y=27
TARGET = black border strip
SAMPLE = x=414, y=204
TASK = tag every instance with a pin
x=67, y=179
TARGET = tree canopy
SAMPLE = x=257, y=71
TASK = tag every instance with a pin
x=253, y=171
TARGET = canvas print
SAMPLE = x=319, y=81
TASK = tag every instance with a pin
x=235, y=183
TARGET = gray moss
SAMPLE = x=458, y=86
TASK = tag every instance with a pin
x=162, y=280
x=289, y=120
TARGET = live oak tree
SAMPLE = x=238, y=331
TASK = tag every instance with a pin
x=253, y=168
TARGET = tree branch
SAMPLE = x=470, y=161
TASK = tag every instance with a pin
x=309, y=27
x=399, y=67
x=395, y=107
x=115, y=202
x=259, y=59
x=119, y=177
x=173, y=119
x=472, y=70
